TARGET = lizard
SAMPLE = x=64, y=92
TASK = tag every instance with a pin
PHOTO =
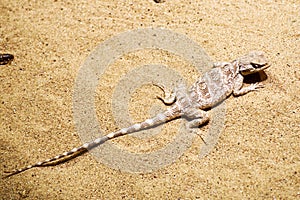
x=224, y=79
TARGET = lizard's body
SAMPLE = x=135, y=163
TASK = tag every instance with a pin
x=213, y=87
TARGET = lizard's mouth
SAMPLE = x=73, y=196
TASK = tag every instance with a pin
x=254, y=68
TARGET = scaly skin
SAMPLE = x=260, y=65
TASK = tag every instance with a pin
x=224, y=79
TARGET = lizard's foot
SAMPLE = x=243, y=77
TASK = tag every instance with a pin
x=196, y=132
x=255, y=86
x=250, y=88
x=169, y=96
x=199, y=118
x=201, y=137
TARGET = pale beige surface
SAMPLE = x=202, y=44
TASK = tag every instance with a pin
x=257, y=155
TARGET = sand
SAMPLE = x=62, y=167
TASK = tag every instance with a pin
x=257, y=154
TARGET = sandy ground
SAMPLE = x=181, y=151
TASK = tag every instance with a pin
x=257, y=155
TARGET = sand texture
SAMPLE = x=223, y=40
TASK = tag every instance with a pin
x=257, y=154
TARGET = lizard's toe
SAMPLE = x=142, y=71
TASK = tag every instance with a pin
x=256, y=86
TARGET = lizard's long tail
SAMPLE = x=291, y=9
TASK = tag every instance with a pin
x=168, y=115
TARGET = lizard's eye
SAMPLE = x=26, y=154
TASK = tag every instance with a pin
x=226, y=65
x=256, y=65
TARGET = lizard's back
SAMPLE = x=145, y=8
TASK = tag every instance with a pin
x=214, y=86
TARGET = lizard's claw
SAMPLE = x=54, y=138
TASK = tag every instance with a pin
x=256, y=86
x=169, y=95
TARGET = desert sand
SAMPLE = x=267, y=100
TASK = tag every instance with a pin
x=257, y=154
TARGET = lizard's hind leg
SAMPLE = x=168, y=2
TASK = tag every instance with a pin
x=198, y=118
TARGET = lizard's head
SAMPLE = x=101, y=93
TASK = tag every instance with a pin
x=252, y=62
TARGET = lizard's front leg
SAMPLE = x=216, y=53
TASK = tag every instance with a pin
x=169, y=95
x=238, y=88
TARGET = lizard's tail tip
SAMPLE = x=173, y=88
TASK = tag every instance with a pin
x=11, y=173
x=8, y=174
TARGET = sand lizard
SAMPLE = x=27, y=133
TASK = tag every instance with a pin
x=224, y=79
